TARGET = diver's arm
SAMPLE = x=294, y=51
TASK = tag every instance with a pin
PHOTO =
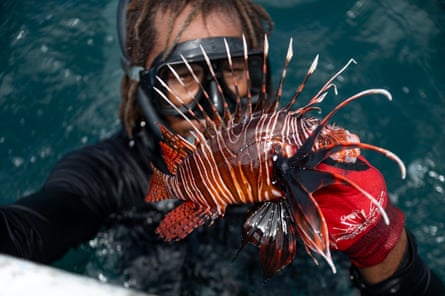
x=84, y=188
x=378, y=273
x=403, y=272
x=43, y=226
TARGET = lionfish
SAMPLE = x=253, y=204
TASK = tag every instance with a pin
x=266, y=156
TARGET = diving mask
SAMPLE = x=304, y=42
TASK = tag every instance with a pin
x=192, y=87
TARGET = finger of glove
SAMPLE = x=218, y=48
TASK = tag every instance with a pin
x=361, y=173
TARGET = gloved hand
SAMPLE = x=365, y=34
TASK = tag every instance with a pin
x=356, y=226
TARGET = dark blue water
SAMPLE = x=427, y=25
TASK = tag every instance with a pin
x=59, y=89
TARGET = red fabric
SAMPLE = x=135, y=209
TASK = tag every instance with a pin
x=356, y=226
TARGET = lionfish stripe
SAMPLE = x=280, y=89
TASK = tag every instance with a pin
x=225, y=175
x=238, y=176
x=309, y=73
x=195, y=190
x=211, y=181
x=185, y=184
x=289, y=56
x=359, y=95
x=163, y=96
x=318, y=156
x=310, y=141
x=227, y=114
x=230, y=179
x=216, y=116
x=261, y=104
x=248, y=110
x=318, y=98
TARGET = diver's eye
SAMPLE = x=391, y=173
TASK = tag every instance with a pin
x=181, y=82
x=181, y=75
x=235, y=78
x=237, y=72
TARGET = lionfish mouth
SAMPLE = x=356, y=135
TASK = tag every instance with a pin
x=267, y=156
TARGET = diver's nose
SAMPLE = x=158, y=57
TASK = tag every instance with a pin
x=216, y=97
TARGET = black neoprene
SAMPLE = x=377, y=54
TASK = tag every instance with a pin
x=83, y=189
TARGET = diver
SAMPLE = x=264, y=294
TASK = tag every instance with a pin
x=89, y=185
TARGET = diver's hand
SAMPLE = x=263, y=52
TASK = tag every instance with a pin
x=356, y=225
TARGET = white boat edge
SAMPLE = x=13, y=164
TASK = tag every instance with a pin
x=19, y=277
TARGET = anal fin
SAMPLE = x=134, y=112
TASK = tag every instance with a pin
x=172, y=157
x=182, y=220
x=174, y=149
x=157, y=188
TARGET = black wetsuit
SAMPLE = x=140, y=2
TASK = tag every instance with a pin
x=91, y=184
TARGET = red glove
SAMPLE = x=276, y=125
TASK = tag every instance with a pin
x=356, y=226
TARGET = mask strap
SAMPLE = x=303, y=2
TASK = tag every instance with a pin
x=134, y=73
x=130, y=70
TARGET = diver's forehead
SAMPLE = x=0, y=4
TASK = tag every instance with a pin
x=215, y=23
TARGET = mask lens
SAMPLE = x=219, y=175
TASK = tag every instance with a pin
x=236, y=83
x=186, y=89
x=235, y=78
x=183, y=86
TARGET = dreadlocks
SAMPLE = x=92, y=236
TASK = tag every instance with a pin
x=141, y=35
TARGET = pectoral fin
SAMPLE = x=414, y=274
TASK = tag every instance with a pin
x=270, y=227
x=310, y=221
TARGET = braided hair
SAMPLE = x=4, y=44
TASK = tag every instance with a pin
x=141, y=35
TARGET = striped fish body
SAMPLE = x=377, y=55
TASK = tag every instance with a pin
x=268, y=157
x=235, y=166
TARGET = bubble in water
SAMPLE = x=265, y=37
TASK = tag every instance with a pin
x=17, y=161
x=20, y=35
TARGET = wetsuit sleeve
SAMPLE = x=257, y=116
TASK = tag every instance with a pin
x=83, y=189
x=413, y=277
